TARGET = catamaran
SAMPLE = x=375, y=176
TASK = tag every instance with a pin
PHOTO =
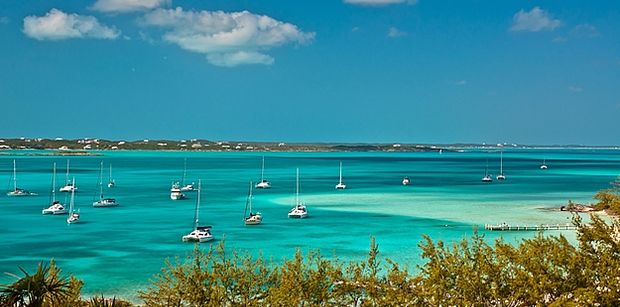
x=487, y=177
x=253, y=218
x=186, y=187
x=264, y=183
x=200, y=233
x=103, y=202
x=69, y=187
x=501, y=175
x=299, y=211
x=341, y=185
x=74, y=216
x=543, y=165
x=111, y=182
x=55, y=206
x=18, y=191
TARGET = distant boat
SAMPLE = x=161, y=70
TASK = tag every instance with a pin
x=299, y=211
x=406, y=181
x=487, y=177
x=69, y=187
x=263, y=184
x=74, y=216
x=341, y=185
x=111, y=182
x=175, y=191
x=103, y=202
x=18, y=191
x=186, y=187
x=200, y=233
x=501, y=175
x=253, y=218
x=55, y=206
x=543, y=165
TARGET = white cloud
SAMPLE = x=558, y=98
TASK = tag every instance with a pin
x=228, y=39
x=379, y=2
x=559, y=39
x=394, y=32
x=58, y=25
x=124, y=6
x=534, y=21
x=461, y=82
x=585, y=30
x=575, y=89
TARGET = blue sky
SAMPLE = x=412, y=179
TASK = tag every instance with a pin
x=537, y=72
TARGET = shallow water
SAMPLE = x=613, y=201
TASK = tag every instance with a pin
x=117, y=250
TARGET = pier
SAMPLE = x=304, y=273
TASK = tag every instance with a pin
x=508, y=227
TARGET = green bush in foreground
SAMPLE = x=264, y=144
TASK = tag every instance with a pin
x=545, y=271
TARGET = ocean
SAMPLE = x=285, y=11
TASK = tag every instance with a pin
x=117, y=250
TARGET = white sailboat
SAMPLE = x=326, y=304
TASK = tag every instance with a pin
x=55, y=206
x=18, y=191
x=253, y=218
x=487, y=178
x=103, y=202
x=264, y=183
x=69, y=187
x=341, y=185
x=175, y=191
x=543, y=165
x=299, y=211
x=74, y=216
x=501, y=175
x=111, y=182
x=406, y=181
x=200, y=233
x=186, y=187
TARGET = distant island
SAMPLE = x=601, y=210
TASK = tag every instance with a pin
x=86, y=146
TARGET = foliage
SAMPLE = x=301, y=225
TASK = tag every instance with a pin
x=608, y=200
x=45, y=287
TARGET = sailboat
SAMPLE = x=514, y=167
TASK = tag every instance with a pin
x=263, y=184
x=175, y=192
x=543, y=165
x=299, y=211
x=487, y=177
x=253, y=218
x=18, y=191
x=501, y=175
x=406, y=181
x=55, y=206
x=341, y=185
x=186, y=187
x=200, y=233
x=111, y=182
x=69, y=187
x=74, y=216
x=103, y=202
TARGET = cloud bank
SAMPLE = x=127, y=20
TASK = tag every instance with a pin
x=58, y=25
x=227, y=39
x=534, y=21
x=379, y=2
x=124, y=6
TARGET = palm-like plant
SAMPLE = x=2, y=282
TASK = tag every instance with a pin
x=44, y=287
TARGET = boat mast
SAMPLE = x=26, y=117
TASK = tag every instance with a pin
x=67, y=175
x=14, y=176
x=54, y=184
x=71, y=202
x=486, y=170
x=250, y=197
x=110, y=172
x=245, y=211
x=197, y=213
x=262, y=171
x=501, y=162
x=100, y=181
x=297, y=188
x=340, y=180
x=184, y=171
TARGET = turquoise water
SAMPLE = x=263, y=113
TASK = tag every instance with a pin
x=117, y=250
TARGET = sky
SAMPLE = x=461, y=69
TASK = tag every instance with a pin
x=470, y=71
